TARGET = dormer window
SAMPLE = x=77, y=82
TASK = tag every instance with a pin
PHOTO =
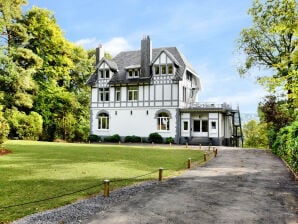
x=170, y=69
x=104, y=73
x=133, y=73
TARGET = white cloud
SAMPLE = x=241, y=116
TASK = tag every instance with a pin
x=112, y=46
x=88, y=43
x=116, y=45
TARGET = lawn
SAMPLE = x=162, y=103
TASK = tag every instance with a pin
x=38, y=170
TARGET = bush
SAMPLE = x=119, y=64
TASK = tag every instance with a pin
x=170, y=140
x=94, y=138
x=4, y=127
x=286, y=145
x=155, y=137
x=113, y=138
x=133, y=139
x=28, y=127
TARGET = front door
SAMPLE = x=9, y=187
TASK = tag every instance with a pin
x=200, y=128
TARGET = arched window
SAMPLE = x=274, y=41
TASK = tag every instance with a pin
x=103, y=121
x=163, y=122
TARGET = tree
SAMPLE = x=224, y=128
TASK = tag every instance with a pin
x=255, y=135
x=63, y=98
x=270, y=43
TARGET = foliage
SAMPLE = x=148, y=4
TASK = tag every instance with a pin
x=170, y=140
x=286, y=145
x=71, y=167
x=24, y=126
x=4, y=127
x=270, y=43
x=94, y=138
x=113, y=138
x=133, y=139
x=155, y=137
x=255, y=135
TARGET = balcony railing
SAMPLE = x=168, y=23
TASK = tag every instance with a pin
x=207, y=105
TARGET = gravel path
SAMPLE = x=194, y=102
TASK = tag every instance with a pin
x=238, y=186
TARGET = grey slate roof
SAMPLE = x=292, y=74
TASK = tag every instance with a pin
x=128, y=58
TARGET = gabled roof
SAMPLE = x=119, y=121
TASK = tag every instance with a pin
x=129, y=59
x=93, y=78
x=113, y=66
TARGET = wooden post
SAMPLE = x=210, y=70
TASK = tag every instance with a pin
x=200, y=146
x=209, y=147
x=186, y=145
x=160, y=174
x=205, y=157
x=106, y=192
x=189, y=163
x=215, y=152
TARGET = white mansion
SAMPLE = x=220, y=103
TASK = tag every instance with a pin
x=154, y=90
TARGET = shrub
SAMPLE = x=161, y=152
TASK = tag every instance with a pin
x=4, y=127
x=155, y=137
x=286, y=145
x=133, y=139
x=27, y=127
x=94, y=138
x=169, y=140
x=113, y=138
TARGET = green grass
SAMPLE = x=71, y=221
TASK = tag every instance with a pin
x=37, y=170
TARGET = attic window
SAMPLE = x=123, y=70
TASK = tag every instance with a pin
x=170, y=69
x=133, y=73
x=104, y=73
x=163, y=69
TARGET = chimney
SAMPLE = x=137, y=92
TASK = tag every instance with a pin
x=99, y=53
x=146, y=56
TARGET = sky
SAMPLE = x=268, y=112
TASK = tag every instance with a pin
x=205, y=31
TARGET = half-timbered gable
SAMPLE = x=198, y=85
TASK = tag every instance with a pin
x=153, y=90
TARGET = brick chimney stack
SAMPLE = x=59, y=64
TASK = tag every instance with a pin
x=146, y=56
x=99, y=54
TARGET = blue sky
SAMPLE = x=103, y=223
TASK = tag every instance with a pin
x=205, y=31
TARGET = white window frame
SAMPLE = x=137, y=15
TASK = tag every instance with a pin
x=163, y=122
x=117, y=94
x=103, y=94
x=133, y=93
x=103, y=121
x=103, y=73
x=133, y=73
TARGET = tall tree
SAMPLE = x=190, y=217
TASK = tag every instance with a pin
x=63, y=97
x=270, y=42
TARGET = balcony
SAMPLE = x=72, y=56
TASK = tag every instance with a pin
x=206, y=105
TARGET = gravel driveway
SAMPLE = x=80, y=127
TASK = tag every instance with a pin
x=238, y=186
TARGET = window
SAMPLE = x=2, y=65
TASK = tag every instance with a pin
x=104, y=73
x=163, y=69
x=185, y=125
x=117, y=93
x=197, y=126
x=200, y=125
x=133, y=94
x=188, y=76
x=213, y=125
x=103, y=121
x=163, y=122
x=156, y=69
x=204, y=126
x=170, y=69
x=184, y=94
x=104, y=94
x=133, y=73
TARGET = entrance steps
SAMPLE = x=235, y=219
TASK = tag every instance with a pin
x=200, y=141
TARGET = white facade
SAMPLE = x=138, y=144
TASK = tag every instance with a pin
x=126, y=100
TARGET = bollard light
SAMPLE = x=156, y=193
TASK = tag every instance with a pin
x=106, y=192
